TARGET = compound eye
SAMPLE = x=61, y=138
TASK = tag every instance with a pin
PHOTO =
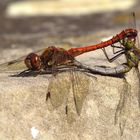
x=129, y=34
x=33, y=62
x=132, y=34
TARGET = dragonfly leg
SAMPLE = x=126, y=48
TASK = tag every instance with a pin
x=28, y=72
x=118, y=51
x=24, y=72
x=114, y=46
x=115, y=57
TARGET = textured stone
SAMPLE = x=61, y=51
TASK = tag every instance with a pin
x=109, y=109
x=110, y=100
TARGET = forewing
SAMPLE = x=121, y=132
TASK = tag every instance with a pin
x=58, y=88
x=80, y=86
x=124, y=106
x=13, y=66
x=17, y=65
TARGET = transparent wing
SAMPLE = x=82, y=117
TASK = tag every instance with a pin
x=123, y=109
x=13, y=66
x=61, y=84
x=137, y=68
x=80, y=86
x=16, y=65
x=58, y=88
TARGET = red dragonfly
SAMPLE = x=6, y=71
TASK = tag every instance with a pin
x=53, y=56
x=53, y=59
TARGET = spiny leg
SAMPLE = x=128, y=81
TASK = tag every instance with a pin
x=27, y=73
x=113, y=58
x=119, y=47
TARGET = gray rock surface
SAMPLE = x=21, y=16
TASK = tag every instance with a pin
x=109, y=110
x=108, y=107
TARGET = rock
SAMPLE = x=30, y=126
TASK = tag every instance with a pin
x=108, y=111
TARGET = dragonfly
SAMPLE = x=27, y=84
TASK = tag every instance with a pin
x=132, y=53
x=130, y=48
x=55, y=60
x=54, y=56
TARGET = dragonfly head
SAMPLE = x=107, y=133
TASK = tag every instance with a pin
x=33, y=61
x=131, y=33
